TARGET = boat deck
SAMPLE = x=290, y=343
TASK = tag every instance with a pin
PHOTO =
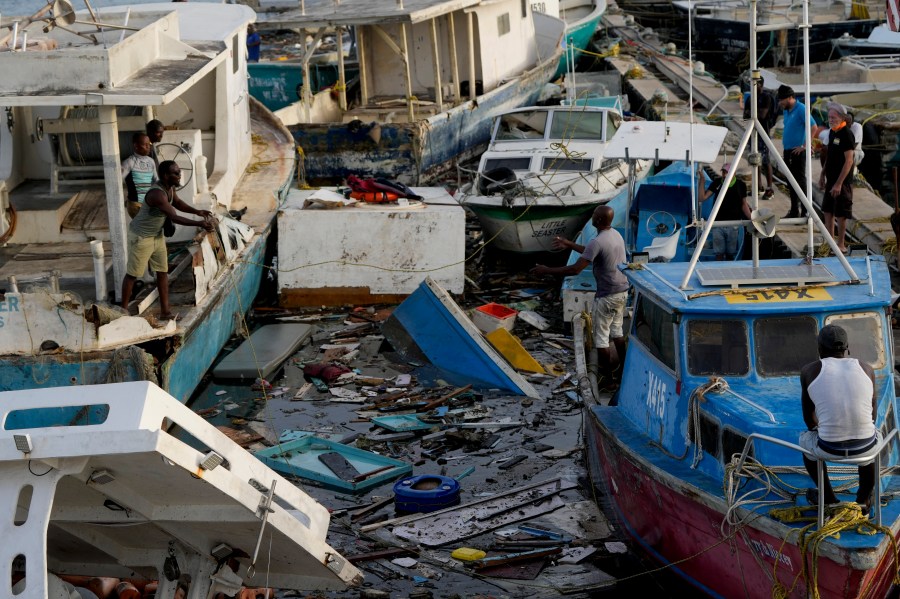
x=81, y=217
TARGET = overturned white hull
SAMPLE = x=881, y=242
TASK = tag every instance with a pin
x=118, y=498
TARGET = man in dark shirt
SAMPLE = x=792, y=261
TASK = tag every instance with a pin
x=734, y=207
x=835, y=178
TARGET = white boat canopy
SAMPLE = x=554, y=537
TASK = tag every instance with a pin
x=659, y=140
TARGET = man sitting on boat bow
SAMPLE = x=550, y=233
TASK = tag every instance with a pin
x=839, y=408
x=605, y=253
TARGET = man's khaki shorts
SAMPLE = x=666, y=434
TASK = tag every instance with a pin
x=607, y=315
x=142, y=250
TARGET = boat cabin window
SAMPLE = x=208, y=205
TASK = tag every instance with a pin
x=503, y=24
x=718, y=347
x=554, y=165
x=577, y=124
x=784, y=345
x=653, y=327
x=523, y=125
x=613, y=120
x=516, y=164
x=864, y=336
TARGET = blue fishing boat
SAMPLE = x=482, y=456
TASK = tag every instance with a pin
x=430, y=329
x=698, y=452
x=62, y=191
x=432, y=75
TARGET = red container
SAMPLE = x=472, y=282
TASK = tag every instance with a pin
x=491, y=317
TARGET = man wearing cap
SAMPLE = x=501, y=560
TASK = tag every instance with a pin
x=835, y=178
x=839, y=408
x=734, y=207
x=794, y=138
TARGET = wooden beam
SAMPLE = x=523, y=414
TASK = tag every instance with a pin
x=361, y=59
x=342, y=80
x=436, y=56
x=454, y=60
x=115, y=200
x=409, y=93
x=470, y=25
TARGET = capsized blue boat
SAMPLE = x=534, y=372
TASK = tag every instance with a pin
x=430, y=328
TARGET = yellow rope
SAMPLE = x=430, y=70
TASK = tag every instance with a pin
x=841, y=517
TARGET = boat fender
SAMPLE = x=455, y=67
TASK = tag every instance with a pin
x=126, y=590
x=374, y=197
x=496, y=180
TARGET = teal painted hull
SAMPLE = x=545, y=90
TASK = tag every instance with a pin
x=578, y=35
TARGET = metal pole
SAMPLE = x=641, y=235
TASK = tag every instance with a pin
x=454, y=60
x=754, y=116
x=715, y=209
x=471, y=30
x=361, y=59
x=808, y=115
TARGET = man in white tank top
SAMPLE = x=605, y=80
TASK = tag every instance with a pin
x=839, y=408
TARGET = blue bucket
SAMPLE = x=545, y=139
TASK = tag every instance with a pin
x=425, y=493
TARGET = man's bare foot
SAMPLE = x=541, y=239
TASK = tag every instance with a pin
x=170, y=316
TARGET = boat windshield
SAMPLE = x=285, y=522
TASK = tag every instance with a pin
x=783, y=344
x=577, y=124
x=530, y=124
x=718, y=347
x=863, y=335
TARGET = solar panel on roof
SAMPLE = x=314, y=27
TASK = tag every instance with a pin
x=736, y=276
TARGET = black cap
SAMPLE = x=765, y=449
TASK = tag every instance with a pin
x=785, y=92
x=833, y=338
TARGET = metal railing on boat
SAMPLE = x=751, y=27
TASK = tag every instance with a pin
x=854, y=460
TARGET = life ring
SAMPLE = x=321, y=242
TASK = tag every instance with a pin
x=374, y=197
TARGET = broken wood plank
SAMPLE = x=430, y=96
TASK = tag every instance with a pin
x=500, y=560
x=358, y=514
x=444, y=399
x=383, y=554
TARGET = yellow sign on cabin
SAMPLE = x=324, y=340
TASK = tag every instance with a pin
x=805, y=294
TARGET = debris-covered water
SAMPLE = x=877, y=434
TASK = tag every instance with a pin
x=495, y=444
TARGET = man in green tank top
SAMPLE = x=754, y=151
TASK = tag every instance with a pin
x=146, y=243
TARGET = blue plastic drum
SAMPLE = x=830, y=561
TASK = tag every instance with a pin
x=425, y=493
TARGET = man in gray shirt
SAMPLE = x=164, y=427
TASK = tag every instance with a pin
x=604, y=252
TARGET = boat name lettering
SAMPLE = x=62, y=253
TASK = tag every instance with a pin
x=806, y=294
x=656, y=396
x=764, y=549
x=539, y=7
x=9, y=305
x=550, y=228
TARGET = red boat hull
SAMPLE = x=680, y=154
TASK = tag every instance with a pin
x=677, y=527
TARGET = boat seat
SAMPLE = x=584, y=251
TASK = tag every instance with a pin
x=857, y=460
x=663, y=249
